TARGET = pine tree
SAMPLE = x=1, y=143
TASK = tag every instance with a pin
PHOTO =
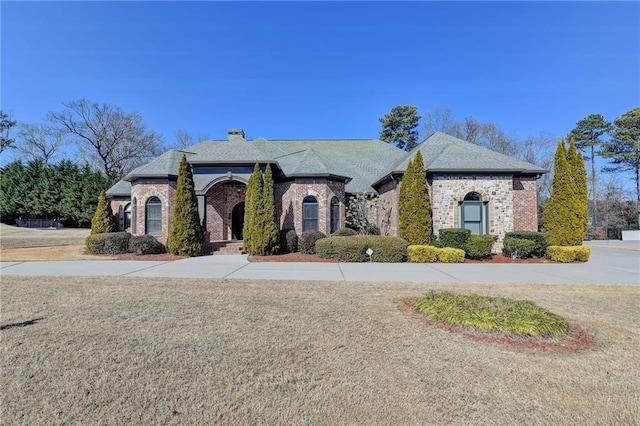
x=186, y=237
x=103, y=218
x=563, y=222
x=251, y=232
x=414, y=207
x=269, y=223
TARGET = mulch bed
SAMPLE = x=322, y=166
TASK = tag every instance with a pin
x=577, y=339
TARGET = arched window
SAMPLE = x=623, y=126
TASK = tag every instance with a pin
x=134, y=217
x=473, y=214
x=153, y=217
x=309, y=214
x=335, y=214
x=127, y=216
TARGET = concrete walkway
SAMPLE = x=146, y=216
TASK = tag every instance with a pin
x=608, y=265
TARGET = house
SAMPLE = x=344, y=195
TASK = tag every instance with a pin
x=470, y=186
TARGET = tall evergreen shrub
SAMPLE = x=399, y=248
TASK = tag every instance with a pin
x=580, y=181
x=565, y=215
x=268, y=229
x=414, y=206
x=102, y=221
x=252, y=211
x=186, y=237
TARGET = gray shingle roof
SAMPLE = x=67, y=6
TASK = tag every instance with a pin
x=122, y=188
x=361, y=162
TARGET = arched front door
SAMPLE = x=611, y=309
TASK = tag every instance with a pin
x=237, y=221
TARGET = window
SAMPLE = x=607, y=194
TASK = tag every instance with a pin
x=335, y=214
x=134, y=217
x=154, y=216
x=309, y=214
x=473, y=214
x=127, y=216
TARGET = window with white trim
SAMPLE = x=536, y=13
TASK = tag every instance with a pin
x=153, y=215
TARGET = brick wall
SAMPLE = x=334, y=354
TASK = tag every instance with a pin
x=141, y=191
x=525, y=204
x=289, y=211
x=118, y=204
x=220, y=201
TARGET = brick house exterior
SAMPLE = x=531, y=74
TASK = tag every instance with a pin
x=469, y=186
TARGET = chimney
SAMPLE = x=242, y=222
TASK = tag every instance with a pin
x=235, y=135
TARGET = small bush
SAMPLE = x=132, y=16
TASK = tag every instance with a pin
x=95, y=243
x=345, y=232
x=513, y=317
x=454, y=237
x=518, y=248
x=451, y=255
x=435, y=242
x=307, y=241
x=117, y=243
x=540, y=239
x=568, y=254
x=354, y=249
x=422, y=254
x=145, y=244
x=288, y=241
x=479, y=246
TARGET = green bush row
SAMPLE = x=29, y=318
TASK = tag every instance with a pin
x=354, y=248
x=568, y=254
x=541, y=241
x=429, y=254
x=123, y=242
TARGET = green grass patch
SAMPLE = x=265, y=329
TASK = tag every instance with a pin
x=486, y=313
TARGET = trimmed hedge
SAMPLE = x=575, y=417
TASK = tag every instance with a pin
x=518, y=248
x=430, y=254
x=354, y=249
x=541, y=240
x=454, y=237
x=568, y=254
x=145, y=244
x=345, y=232
x=288, y=241
x=422, y=254
x=451, y=255
x=307, y=241
x=95, y=243
x=479, y=246
x=117, y=243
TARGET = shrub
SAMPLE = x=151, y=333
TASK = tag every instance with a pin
x=454, y=237
x=414, y=207
x=436, y=242
x=145, y=244
x=518, y=248
x=102, y=221
x=451, y=255
x=95, y=243
x=117, y=243
x=307, y=241
x=568, y=254
x=288, y=241
x=479, y=246
x=422, y=254
x=354, y=249
x=370, y=229
x=513, y=317
x=345, y=232
x=540, y=239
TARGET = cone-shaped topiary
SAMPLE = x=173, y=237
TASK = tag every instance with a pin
x=102, y=221
x=563, y=220
x=269, y=232
x=581, y=193
x=251, y=232
x=414, y=207
x=186, y=237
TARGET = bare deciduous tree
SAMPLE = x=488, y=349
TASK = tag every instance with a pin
x=40, y=142
x=6, y=126
x=440, y=119
x=112, y=140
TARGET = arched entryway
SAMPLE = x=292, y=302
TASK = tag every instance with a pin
x=237, y=221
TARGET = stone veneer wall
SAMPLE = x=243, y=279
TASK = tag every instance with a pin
x=141, y=191
x=291, y=194
x=448, y=190
x=525, y=203
x=220, y=201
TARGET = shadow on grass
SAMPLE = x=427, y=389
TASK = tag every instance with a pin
x=21, y=324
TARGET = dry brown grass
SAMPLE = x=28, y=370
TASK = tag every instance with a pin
x=178, y=351
x=12, y=237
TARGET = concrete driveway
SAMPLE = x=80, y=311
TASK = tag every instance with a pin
x=609, y=264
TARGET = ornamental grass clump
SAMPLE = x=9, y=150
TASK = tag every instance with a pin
x=521, y=318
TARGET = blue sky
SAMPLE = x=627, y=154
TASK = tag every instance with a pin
x=322, y=69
